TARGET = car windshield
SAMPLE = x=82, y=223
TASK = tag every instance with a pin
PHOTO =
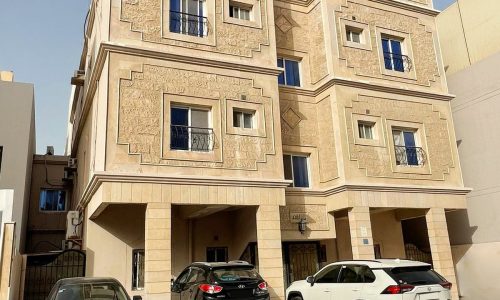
x=415, y=275
x=94, y=291
x=235, y=274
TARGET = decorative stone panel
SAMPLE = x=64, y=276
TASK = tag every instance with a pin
x=310, y=124
x=140, y=115
x=316, y=216
x=376, y=160
x=367, y=62
x=146, y=17
x=303, y=32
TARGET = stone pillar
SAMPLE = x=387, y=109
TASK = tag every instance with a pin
x=269, y=249
x=158, y=265
x=440, y=247
x=361, y=233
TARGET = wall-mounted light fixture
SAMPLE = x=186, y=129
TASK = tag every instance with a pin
x=302, y=225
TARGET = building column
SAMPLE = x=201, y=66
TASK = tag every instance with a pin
x=361, y=233
x=269, y=249
x=158, y=253
x=440, y=247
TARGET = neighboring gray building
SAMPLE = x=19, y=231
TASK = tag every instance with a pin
x=475, y=235
x=17, y=146
x=469, y=32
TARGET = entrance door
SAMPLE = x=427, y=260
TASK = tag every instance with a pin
x=301, y=260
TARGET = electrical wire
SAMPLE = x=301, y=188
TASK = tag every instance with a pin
x=58, y=184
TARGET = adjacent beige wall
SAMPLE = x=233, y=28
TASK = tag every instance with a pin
x=109, y=242
x=470, y=38
x=474, y=262
x=469, y=31
x=475, y=233
x=17, y=136
x=388, y=234
x=47, y=173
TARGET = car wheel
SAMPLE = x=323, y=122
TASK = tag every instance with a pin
x=296, y=298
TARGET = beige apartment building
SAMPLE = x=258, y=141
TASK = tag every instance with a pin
x=286, y=133
x=472, y=61
x=17, y=145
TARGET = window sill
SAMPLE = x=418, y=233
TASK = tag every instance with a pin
x=369, y=142
x=192, y=151
x=298, y=189
x=245, y=131
x=290, y=86
x=408, y=169
x=244, y=23
x=360, y=46
x=406, y=75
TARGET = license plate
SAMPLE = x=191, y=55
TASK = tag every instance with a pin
x=429, y=296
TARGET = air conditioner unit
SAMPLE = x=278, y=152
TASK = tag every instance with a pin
x=73, y=225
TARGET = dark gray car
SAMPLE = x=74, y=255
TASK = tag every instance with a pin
x=83, y=288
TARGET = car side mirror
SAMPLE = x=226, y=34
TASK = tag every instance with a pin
x=310, y=279
x=175, y=287
x=137, y=298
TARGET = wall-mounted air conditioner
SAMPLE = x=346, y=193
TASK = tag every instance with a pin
x=73, y=225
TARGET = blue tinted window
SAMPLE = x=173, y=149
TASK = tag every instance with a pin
x=291, y=75
x=393, y=54
x=53, y=200
x=296, y=169
x=300, y=173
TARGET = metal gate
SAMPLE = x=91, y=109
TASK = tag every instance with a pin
x=44, y=270
x=414, y=253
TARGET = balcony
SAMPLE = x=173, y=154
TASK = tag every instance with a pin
x=398, y=62
x=188, y=24
x=410, y=156
x=191, y=138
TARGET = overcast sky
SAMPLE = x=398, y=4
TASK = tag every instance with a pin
x=41, y=41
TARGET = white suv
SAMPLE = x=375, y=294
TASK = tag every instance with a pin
x=387, y=279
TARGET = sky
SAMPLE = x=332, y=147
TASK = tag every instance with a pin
x=41, y=41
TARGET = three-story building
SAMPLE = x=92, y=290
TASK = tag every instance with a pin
x=286, y=133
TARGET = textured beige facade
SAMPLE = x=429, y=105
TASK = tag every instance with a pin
x=235, y=195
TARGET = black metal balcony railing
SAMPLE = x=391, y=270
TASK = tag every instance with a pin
x=409, y=156
x=188, y=24
x=191, y=138
x=397, y=62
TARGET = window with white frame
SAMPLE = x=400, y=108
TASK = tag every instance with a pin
x=354, y=34
x=406, y=150
x=138, y=260
x=291, y=72
x=188, y=17
x=296, y=168
x=366, y=130
x=190, y=129
x=240, y=11
x=52, y=200
x=243, y=119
